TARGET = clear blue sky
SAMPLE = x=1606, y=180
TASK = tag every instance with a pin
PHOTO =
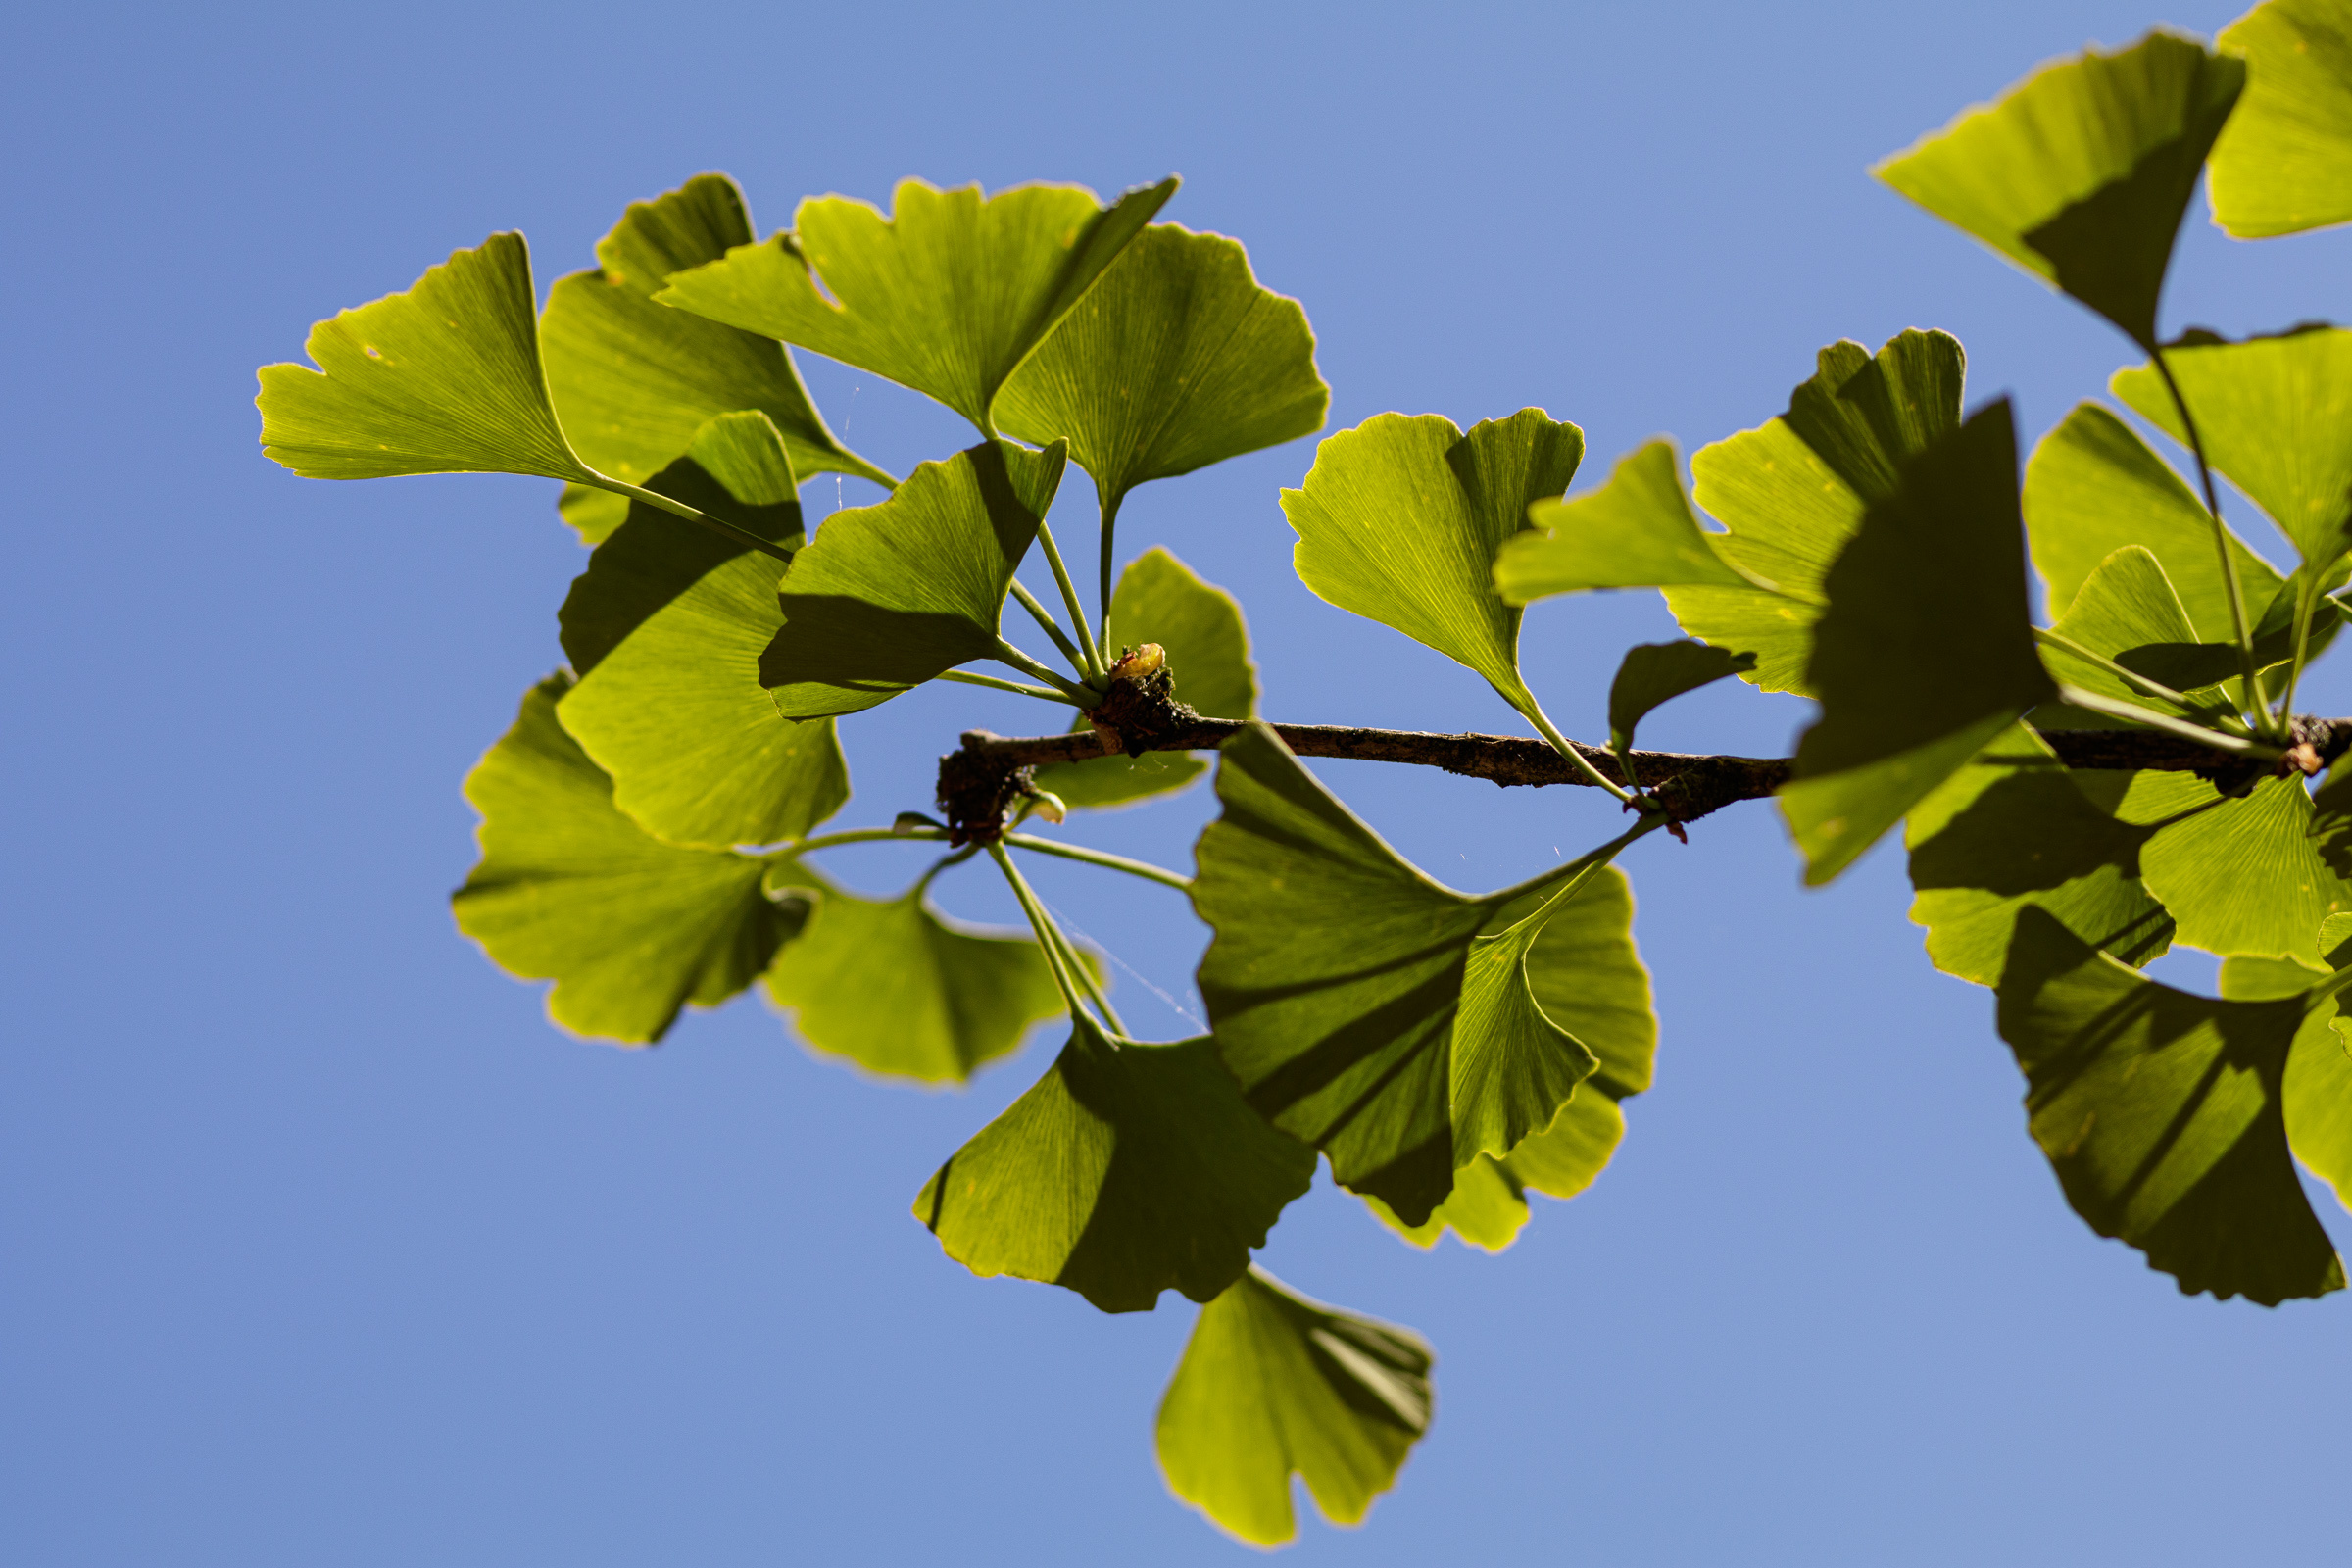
x=319, y=1247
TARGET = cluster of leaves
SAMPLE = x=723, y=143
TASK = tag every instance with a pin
x=648, y=820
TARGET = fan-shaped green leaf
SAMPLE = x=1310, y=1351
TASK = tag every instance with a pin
x=1127, y=1169
x=634, y=380
x=1200, y=627
x=947, y=295
x=889, y=596
x=2243, y=875
x=443, y=379
x=2161, y=1112
x=1274, y=1384
x=1924, y=652
x=899, y=989
x=2285, y=163
x=2080, y=173
x=2128, y=613
x=2014, y=829
x=1176, y=360
x=1635, y=531
x=1792, y=492
x=2092, y=487
x=629, y=928
x=1653, y=674
x=1587, y=977
x=666, y=628
x=1371, y=1011
x=2317, y=1097
x=2275, y=415
x=1400, y=519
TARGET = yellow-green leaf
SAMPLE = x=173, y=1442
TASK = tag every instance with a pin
x=570, y=890
x=2242, y=874
x=2284, y=163
x=1635, y=531
x=1791, y=493
x=1274, y=1384
x=896, y=987
x=1176, y=360
x=2080, y=173
x=1366, y=1009
x=1400, y=519
x=889, y=596
x=1925, y=652
x=2276, y=416
x=1128, y=1169
x=443, y=379
x=947, y=295
x=2161, y=1112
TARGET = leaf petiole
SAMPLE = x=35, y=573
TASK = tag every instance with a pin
x=1053, y=628
x=993, y=683
x=1094, y=667
x=1061, y=957
x=1115, y=862
x=1575, y=758
x=1072, y=691
x=2250, y=666
x=2114, y=708
x=2147, y=688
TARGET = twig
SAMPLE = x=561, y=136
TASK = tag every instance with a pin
x=987, y=766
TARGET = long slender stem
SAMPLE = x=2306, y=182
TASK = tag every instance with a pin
x=717, y=525
x=2221, y=544
x=1110, y=525
x=855, y=835
x=1006, y=654
x=2146, y=687
x=1069, y=596
x=972, y=678
x=2306, y=603
x=1116, y=863
x=1095, y=989
x=2114, y=708
x=1575, y=758
x=1048, y=937
x=1053, y=628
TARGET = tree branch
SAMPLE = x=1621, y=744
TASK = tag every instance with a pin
x=977, y=783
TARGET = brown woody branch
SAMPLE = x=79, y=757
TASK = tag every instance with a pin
x=979, y=782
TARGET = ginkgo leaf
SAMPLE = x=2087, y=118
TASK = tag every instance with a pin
x=1176, y=360
x=1274, y=1384
x=443, y=379
x=570, y=890
x=2275, y=415
x=889, y=596
x=2161, y=1114
x=1792, y=492
x=666, y=628
x=1653, y=674
x=2283, y=164
x=1587, y=977
x=1199, y=627
x=2015, y=829
x=2244, y=874
x=896, y=987
x=2092, y=487
x=2318, y=1096
x=1128, y=1169
x=1635, y=531
x=1924, y=651
x=633, y=380
x=1400, y=519
x=2081, y=173
x=1366, y=1009
x=2128, y=613
x=947, y=295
